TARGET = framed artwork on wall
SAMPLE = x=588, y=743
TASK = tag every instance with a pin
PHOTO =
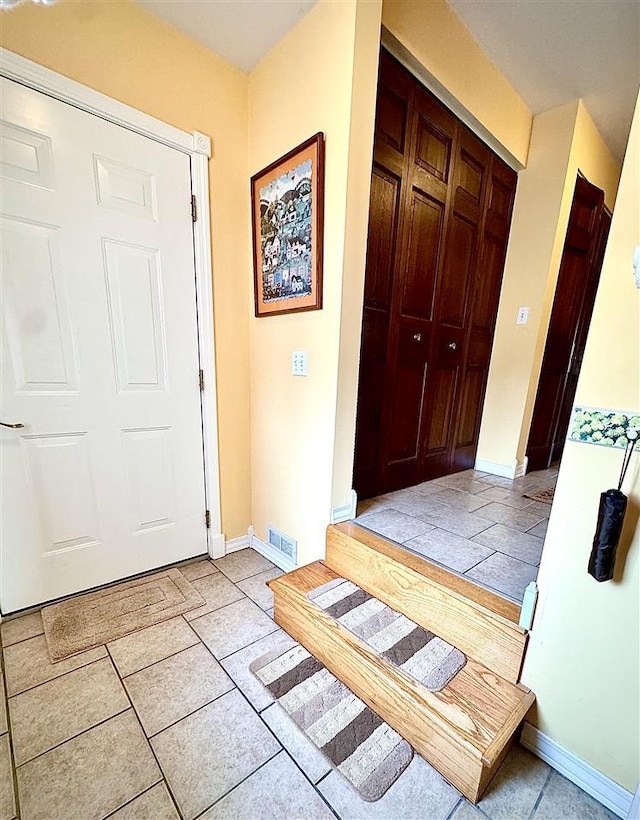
x=287, y=208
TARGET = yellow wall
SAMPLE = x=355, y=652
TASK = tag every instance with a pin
x=363, y=103
x=294, y=418
x=435, y=36
x=125, y=52
x=583, y=657
x=563, y=142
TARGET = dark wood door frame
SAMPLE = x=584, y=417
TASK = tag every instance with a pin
x=575, y=294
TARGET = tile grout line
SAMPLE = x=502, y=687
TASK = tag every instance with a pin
x=9, y=733
x=224, y=657
x=22, y=640
x=495, y=549
x=325, y=775
x=57, y=677
x=151, y=749
x=204, y=575
x=73, y=737
x=189, y=714
x=313, y=785
x=468, y=569
x=542, y=791
x=253, y=574
x=215, y=609
x=153, y=663
x=460, y=573
x=454, y=809
x=129, y=802
x=224, y=606
x=481, y=811
x=240, y=782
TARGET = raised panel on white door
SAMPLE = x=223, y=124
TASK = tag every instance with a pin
x=26, y=156
x=128, y=190
x=134, y=290
x=35, y=310
x=59, y=470
x=151, y=477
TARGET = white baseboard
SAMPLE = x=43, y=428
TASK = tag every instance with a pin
x=598, y=785
x=523, y=468
x=269, y=552
x=511, y=470
x=235, y=544
x=347, y=511
x=634, y=811
x=216, y=545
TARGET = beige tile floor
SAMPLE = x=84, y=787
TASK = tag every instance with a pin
x=169, y=723
x=476, y=524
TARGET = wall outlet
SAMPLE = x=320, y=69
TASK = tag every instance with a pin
x=299, y=362
x=523, y=316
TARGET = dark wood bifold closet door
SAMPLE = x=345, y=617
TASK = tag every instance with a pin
x=439, y=219
x=573, y=302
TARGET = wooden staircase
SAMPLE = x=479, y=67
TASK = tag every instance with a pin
x=465, y=729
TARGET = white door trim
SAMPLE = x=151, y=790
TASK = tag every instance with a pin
x=198, y=147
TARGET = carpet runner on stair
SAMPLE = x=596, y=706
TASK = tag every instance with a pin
x=417, y=651
x=356, y=741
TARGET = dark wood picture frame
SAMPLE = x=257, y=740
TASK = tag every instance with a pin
x=287, y=217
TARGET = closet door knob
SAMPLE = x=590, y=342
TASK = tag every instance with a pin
x=452, y=346
x=417, y=337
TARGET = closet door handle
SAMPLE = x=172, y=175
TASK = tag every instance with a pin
x=452, y=346
x=12, y=426
x=417, y=337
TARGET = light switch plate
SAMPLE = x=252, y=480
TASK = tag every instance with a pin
x=523, y=316
x=299, y=362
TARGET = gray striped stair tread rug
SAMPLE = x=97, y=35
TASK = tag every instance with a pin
x=424, y=656
x=356, y=741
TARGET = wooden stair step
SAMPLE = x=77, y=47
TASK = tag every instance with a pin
x=480, y=623
x=463, y=730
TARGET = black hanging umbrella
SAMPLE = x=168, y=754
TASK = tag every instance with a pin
x=613, y=504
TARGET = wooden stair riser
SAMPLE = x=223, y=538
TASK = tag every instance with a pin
x=460, y=765
x=500, y=607
x=488, y=638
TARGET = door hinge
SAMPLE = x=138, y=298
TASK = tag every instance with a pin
x=201, y=379
x=207, y=519
x=194, y=208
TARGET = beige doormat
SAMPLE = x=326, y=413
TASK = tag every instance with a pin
x=356, y=741
x=99, y=617
x=424, y=656
x=545, y=495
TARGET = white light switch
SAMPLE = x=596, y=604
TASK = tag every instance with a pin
x=299, y=362
x=523, y=316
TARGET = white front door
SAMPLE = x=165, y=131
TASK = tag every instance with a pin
x=99, y=353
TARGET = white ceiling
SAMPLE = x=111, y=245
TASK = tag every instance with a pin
x=241, y=31
x=553, y=51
